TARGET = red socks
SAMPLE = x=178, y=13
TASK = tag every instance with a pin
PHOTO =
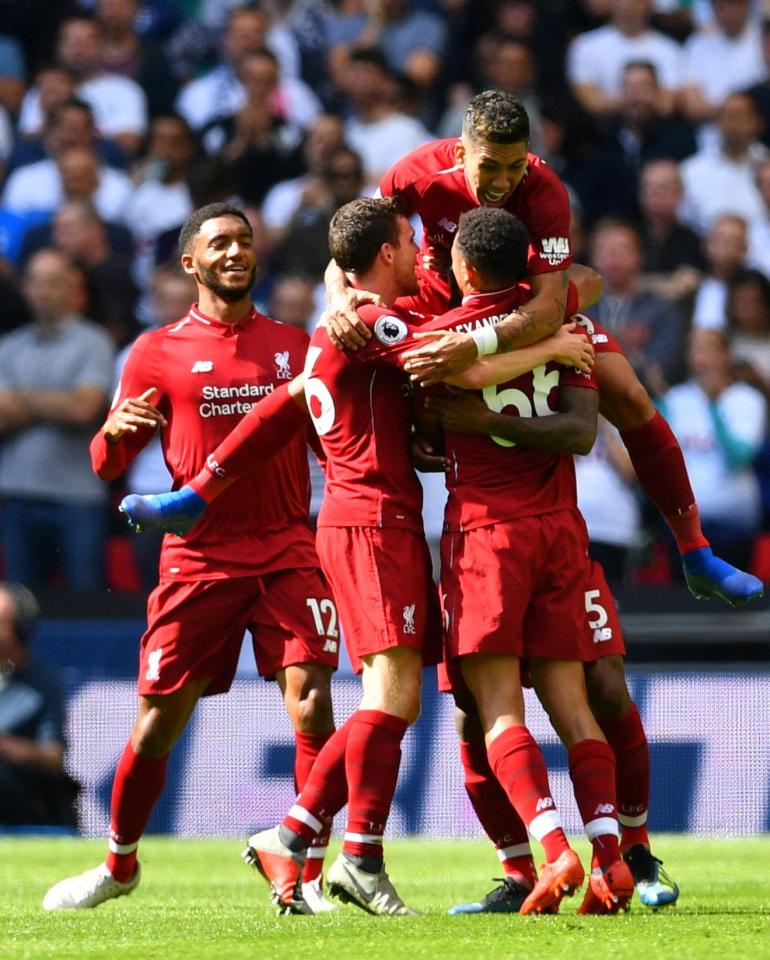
x=628, y=740
x=592, y=770
x=307, y=746
x=518, y=764
x=325, y=791
x=372, y=759
x=136, y=787
x=659, y=465
x=497, y=816
x=269, y=425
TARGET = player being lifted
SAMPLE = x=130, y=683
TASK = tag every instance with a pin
x=249, y=564
x=490, y=166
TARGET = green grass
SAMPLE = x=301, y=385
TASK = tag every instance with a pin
x=197, y=900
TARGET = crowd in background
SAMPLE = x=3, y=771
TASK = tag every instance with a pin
x=119, y=117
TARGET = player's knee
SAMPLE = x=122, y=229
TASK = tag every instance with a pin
x=312, y=713
x=467, y=720
x=152, y=737
x=623, y=399
x=608, y=694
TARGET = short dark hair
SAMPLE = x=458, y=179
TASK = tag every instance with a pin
x=371, y=55
x=358, y=230
x=192, y=225
x=496, y=117
x=494, y=242
x=71, y=103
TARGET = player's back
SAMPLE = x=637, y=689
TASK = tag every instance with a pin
x=490, y=478
x=360, y=405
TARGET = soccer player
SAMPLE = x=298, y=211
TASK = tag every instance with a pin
x=373, y=551
x=490, y=166
x=249, y=564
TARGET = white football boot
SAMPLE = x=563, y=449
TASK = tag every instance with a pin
x=372, y=892
x=89, y=889
x=313, y=895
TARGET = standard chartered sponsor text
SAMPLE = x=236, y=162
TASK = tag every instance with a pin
x=243, y=398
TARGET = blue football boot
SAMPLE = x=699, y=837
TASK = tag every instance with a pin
x=708, y=576
x=174, y=512
x=653, y=885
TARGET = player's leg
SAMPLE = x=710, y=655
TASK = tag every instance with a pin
x=306, y=689
x=518, y=764
x=659, y=465
x=138, y=782
x=497, y=816
x=619, y=719
x=560, y=686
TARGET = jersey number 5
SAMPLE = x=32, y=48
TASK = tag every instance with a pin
x=542, y=384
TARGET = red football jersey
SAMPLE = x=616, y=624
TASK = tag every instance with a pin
x=208, y=375
x=360, y=405
x=433, y=186
x=490, y=478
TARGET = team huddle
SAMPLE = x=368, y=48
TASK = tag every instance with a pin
x=468, y=355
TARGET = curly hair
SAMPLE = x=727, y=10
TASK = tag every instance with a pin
x=496, y=117
x=192, y=225
x=359, y=228
x=494, y=242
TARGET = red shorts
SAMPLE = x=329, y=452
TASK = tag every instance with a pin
x=195, y=628
x=601, y=340
x=602, y=635
x=382, y=582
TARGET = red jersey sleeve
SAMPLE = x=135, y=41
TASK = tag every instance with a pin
x=392, y=336
x=141, y=371
x=547, y=219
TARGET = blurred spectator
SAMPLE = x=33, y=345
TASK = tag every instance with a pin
x=219, y=93
x=595, y=60
x=673, y=253
x=34, y=788
x=304, y=248
x=74, y=174
x=259, y=141
x=759, y=229
x=12, y=73
x=720, y=426
x=292, y=301
x=130, y=54
x=639, y=134
x=748, y=327
x=721, y=58
x=377, y=131
x=413, y=41
x=323, y=137
x=650, y=330
x=54, y=85
x=725, y=247
x=605, y=476
x=214, y=15
x=119, y=103
x=80, y=233
x=507, y=64
x=162, y=199
x=67, y=124
x=760, y=91
x=172, y=291
x=55, y=376
x=721, y=179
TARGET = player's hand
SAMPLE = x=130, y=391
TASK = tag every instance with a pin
x=461, y=413
x=572, y=349
x=424, y=456
x=438, y=259
x=131, y=414
x=442, y=354
x=343, y=324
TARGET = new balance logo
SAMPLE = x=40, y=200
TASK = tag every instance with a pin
x=544, y=803
x=447, y=225
x=153, y=665
x=202, y=366
x=602, y=634
x=330, y=646
x=409, y=626
x=604, y=808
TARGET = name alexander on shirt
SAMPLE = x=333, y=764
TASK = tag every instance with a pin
x=242, y=399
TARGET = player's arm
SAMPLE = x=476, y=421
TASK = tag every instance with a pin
x=344, y=325
x=571, y=430
x=567, y=346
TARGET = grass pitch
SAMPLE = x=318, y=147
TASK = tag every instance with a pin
x=197, y=900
